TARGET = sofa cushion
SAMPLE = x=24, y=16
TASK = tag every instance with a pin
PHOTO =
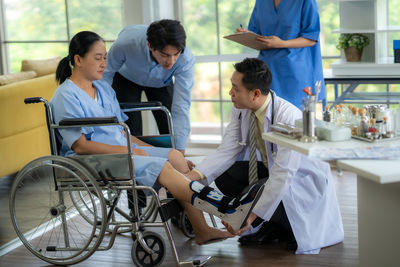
x=41, y=66
x=16, y=77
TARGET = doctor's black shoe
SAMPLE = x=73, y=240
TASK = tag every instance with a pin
x=234, y=211
x=268, y=233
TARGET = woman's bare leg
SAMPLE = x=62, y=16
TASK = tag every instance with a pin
x=178, y=185
x=178, y=161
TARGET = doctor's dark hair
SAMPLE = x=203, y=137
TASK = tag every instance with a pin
x=166, y=32
x=80, y=44
x=255, y=74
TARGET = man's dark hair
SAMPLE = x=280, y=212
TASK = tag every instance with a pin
x=255, y=74
x=166, y=32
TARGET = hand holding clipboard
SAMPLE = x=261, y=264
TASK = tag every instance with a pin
x=246, y=38
x=254, y=40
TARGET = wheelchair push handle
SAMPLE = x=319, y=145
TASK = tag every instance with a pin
x=33, y=100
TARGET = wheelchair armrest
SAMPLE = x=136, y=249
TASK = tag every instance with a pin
x=140, y=105
x=88, y=121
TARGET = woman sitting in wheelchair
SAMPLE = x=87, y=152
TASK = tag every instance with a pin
x=82, y=94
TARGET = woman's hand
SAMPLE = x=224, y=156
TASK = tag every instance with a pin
x=140, y=152
x=271, y=42
x=241, y=30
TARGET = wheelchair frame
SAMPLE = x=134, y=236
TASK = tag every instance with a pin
x=71, y=175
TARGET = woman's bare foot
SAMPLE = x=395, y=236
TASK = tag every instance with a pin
x=211, y=234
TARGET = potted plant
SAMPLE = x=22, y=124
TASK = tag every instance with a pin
x=353, y=45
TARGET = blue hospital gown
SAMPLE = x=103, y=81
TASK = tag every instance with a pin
x=292, y=68
x=70, y=101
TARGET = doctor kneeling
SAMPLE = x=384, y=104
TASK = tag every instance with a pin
x=298, y=204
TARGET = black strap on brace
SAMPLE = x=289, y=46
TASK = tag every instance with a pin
x=223, y=204
x=204, y=192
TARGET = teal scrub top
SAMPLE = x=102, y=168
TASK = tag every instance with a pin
x=292, y=68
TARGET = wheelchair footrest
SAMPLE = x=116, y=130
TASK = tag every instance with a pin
x=169, y=210
x=195, y=261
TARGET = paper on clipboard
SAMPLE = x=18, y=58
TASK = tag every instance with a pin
x=247, y=39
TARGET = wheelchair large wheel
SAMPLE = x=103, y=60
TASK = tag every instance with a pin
x=121, y=214
x=46, y=219
x=144, y=259
x=110, y=195
x=185, y=225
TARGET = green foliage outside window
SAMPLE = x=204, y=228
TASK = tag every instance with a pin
x=45, y=20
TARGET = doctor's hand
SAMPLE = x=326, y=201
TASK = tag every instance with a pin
x=271, y=42
x=250, y=220
x=190, y=164
x=140, y=152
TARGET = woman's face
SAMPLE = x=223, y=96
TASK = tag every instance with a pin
x=93, y=64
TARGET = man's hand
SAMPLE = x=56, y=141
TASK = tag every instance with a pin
x=250, y=220
x=182, y=151
x=139, y=152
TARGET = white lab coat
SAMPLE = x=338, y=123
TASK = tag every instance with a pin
x=305, y=186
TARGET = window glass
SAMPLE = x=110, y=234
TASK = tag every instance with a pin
x=205, y=120
x=201, y=26
x=35, y=20
x=18, y=52
x=232, y=14
x=206, y=84
x=102, y=17
x=227, y=71
x=329, y=21
x=394, y=11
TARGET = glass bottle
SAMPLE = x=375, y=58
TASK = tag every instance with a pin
x=398, y=120
x=354, y=120
x=327, y=115
x=363, y=125
x=339, y=117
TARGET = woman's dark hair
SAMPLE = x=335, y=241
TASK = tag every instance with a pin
x=166, y=32
x=80, y=44
x=255, y=74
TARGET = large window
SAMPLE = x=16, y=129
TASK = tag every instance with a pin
x=206, y=22
x=37, y=29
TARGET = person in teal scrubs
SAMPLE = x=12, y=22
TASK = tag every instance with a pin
x=290, y=34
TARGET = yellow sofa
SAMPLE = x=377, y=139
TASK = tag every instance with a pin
x=23, y=131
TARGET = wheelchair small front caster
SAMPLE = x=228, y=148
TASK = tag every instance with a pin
x=141, y=257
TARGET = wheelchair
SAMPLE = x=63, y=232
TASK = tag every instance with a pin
x=62, y=207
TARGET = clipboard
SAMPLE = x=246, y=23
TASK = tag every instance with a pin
x=246, y=38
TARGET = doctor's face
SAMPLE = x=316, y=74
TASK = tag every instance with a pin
x=241, y=97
